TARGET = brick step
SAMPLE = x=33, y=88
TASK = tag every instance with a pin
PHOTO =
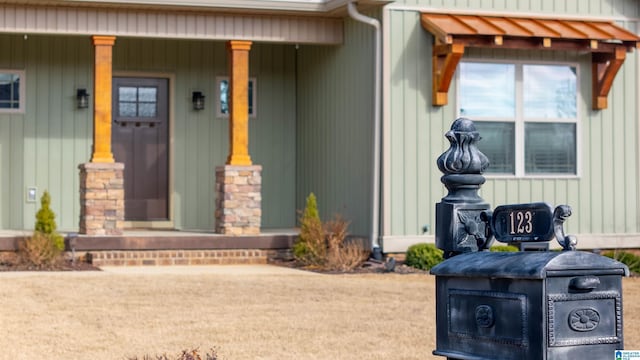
x=180, y=257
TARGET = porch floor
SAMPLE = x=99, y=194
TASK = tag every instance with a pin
x=142, y=239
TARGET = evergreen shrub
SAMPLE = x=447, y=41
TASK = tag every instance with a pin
x=423, y=256
x=45, y=246
x=46, y=221
x=310, y=248
x=325, y=246
x=504, y=248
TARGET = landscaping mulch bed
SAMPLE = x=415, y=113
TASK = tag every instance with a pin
x=10, y=261
x=370, y=266
x=64, y=266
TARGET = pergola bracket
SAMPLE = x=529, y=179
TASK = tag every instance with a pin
x=445, y=61
x=604, y=67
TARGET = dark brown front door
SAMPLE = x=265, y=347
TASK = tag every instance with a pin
x=140, y=133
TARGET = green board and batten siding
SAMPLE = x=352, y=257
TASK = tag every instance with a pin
x=314, y=129
x=272, y=138
x=335, y=126
x=603, y=203
x=43, y=146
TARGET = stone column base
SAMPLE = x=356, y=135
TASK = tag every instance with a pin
x=238, y=199
x=101, y=198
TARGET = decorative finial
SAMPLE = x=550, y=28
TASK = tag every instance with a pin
x=463, y=157
x=459, y=224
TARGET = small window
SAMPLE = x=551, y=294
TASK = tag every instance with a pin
x=223, y=96
x=11, y=91
x=526, y=115
x=137, y=101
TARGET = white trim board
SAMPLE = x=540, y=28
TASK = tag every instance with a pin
x=400, y=244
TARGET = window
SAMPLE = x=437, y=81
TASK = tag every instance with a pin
x=11, y=91
x=525, y=113
x=137, y=101
x=223, y=95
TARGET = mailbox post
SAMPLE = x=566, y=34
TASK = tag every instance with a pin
x=459, y=227
x=542, y=305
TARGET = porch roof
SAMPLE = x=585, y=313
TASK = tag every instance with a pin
x=606, y=41
x=527, y=32
x=280, y=21
x=324, y=7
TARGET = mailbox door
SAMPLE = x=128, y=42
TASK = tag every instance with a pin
x=585, y=316
x=489, y=318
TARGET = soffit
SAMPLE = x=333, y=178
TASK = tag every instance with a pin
x=330, y=8
x=169, y=24
x=280, y=21
x=606, y=41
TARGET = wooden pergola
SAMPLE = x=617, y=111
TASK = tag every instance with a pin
x=453, y=33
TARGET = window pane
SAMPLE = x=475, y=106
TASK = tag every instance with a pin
x=147, y=94
x=147, y=101
x=250, y=97
x=224, y=97
x=549, y=91
x=498, y=144
x=146, y=109
x=9, y=91
x=487, y=90
x=15, y=88
x=127, y=109
x=126, y=93
x=550, y=148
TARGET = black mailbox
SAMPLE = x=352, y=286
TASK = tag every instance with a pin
x=523, y=305
x=529, y=305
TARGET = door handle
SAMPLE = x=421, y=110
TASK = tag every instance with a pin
x=584, y=283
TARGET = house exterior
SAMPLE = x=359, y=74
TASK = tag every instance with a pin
x=601, y=182
x=169, y=123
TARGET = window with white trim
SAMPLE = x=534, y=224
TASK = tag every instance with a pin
x=525, y=113
x=223, y=96
x=11, y=91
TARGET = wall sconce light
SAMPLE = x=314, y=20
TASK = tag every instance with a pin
x=198, y=100
x=82, y=98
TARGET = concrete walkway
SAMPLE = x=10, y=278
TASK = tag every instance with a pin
x=226, y=270
x=208, y=269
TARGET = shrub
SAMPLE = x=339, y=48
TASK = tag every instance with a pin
x=504, y=248
x=631, y=260
x=343, y=254
x=44, y=247
x=423, y=256
x=46, y=221
x=325, y=245
x=310, y=248
x=38, y=250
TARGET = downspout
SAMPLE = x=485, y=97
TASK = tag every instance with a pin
x=375, y=187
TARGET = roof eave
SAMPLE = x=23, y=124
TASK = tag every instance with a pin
x=301, y=7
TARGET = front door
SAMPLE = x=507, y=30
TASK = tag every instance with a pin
x=140, y=135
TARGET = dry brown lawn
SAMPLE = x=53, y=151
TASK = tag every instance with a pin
x=245, y=314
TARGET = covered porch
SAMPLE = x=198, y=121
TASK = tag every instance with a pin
x=169, y=247
x=312, y=131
